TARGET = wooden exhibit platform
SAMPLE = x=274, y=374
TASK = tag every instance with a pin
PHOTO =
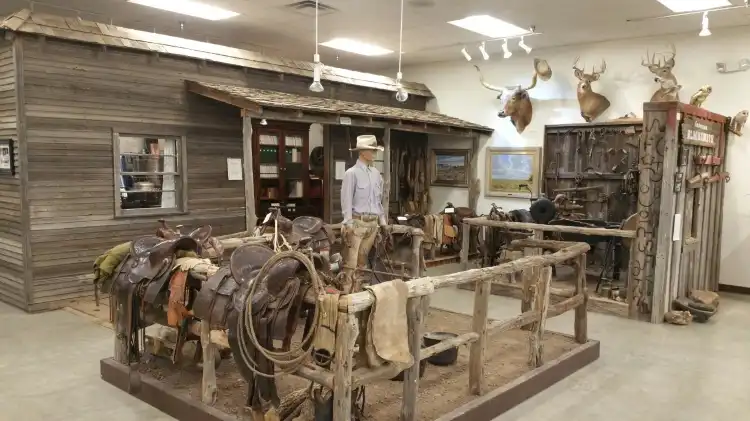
x=177, y=403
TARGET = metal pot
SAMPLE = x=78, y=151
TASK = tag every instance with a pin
x=447, y=357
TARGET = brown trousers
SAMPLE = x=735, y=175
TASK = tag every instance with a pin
x=357, y=238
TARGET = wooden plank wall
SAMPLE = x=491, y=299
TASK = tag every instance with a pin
x=11, y=248
x=566, y=155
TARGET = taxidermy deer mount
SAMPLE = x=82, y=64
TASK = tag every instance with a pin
x=591, y=103
x=518, y=105
x=669, y=88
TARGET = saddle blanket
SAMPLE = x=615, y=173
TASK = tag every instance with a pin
x=387, y=328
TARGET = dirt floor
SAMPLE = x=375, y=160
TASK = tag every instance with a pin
x=442, y=389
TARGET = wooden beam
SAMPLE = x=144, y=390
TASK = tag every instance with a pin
x=477, y=380
x=551, y=228
x=415, y=318
x=247, y=166
x=386, y=199
x=224, y=97
x=346, y=338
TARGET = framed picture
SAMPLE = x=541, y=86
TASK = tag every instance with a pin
x=512, y=172
x=7, y=163
x=450, y=167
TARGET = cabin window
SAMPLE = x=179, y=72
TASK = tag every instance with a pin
x=149, y=175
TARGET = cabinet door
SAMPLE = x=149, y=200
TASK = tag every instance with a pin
x=294, y=166
x=269, y=150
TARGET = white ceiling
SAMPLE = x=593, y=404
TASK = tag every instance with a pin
x=270, y=27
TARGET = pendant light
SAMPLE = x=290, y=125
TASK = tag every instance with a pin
x=401, y=94
x=316, y=86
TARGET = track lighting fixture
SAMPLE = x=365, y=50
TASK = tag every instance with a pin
x=506, y=51
x=483, y=50
x=466, y=54
x=316, y=86
x=704, y=26
x=524, y=46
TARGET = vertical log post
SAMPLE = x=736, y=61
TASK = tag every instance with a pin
x=417, y=254
x=386, y=201
x=346, y=338
x=529, y=278
x=415, y=316
x=581, y=314
x=119, y=323
x=247, y=168
x=633, y=295
x=477, y=384
x=541, y=303
x=465, y=240
x=208, y=386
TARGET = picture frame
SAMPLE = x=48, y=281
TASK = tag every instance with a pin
x=450, y=167
x=512, y=172
x=7, y=159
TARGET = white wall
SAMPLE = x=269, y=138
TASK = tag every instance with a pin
x=627, y=84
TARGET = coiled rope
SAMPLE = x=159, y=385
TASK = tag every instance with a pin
x=290, y=360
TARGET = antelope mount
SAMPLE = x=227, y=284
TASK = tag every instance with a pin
x=669, y=89
x=591, y=103
x=518, y=105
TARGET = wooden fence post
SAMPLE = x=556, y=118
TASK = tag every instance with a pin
x=119, y=323
x=415, y=316
x=479, y=326
x=465, y=241
x=346, y=337
x=581, y=313
x=208, y=385
x=541, y=303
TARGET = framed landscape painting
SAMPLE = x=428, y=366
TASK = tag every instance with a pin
x=512, y=172
x=450, y=167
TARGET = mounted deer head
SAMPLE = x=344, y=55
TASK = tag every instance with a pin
x=591, y=103
x=669, y=88
x=518, y=103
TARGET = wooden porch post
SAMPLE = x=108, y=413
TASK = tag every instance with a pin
x=247, y=167
x=386, y=201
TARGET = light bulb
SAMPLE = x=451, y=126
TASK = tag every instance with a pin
x=401, y=94
x=466, y=54
x=524, y=46
x=263, y=122
x=506, y=51
x=704, y=26
x=316, y=86
x=483, y=50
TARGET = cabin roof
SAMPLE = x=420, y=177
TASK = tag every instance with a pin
x=76, y=29
x=257, y=100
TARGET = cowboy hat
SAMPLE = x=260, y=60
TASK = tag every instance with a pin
x=543, y=69
x=367, y=142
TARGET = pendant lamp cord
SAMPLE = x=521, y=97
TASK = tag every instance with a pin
x=401, y=38
x=316, y=26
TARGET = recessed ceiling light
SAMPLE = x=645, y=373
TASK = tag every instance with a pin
x=679, y=6
x=189, y=7
x=356, y=47
x=489, y=26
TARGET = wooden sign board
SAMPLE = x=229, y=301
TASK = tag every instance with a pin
x=699, y=132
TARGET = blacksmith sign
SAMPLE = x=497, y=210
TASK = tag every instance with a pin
x=699, y=132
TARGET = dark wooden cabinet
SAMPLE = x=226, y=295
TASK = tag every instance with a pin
x=282, y=171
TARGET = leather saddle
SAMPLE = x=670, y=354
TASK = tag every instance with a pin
x=306, y=230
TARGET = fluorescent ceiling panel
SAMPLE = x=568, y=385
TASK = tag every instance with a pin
x=189, y=7
x=356, y=47
x=679, y=6
x=489, y=26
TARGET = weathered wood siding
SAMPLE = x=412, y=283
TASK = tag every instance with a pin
x=11, y=248
x=76, y=96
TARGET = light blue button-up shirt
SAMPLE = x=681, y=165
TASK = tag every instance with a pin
x=362, y=192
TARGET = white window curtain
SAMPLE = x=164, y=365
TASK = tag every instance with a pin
x=169, y=195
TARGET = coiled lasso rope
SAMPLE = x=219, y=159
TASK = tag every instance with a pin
x=290, y=360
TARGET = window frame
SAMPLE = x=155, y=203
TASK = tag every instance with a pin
x=181, y=185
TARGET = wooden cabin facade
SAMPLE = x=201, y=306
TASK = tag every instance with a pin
x=74, y=93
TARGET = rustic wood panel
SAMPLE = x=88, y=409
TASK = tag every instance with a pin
x=600, y=156
x=11, y=248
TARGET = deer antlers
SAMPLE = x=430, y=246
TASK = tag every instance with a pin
x=654, y=65
x=594, y=75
